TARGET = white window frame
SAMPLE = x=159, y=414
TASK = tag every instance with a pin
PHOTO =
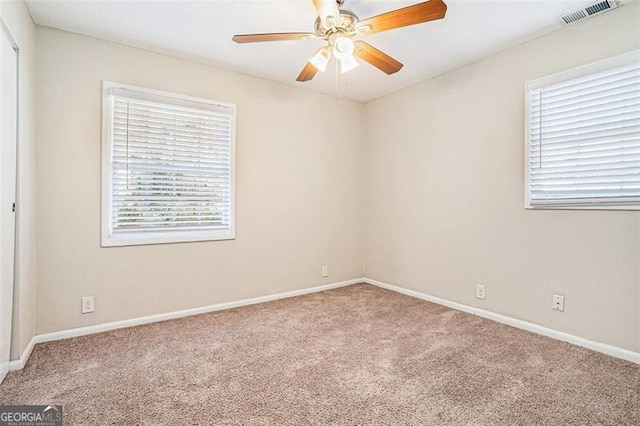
x=109, y=239
x=581, y=71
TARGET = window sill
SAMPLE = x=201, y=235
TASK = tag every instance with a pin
x=163, y=238
x=566, y=207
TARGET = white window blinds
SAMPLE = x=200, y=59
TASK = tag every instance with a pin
x=584, y=139
x=171, y=168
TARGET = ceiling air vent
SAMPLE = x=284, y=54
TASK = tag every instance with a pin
x=589, y=11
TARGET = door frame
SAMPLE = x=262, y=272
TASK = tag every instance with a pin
x=4, y=29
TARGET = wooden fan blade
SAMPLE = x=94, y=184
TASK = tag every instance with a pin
x=254, y=38
x=327, y=8
x=376, y=57
x=308, y=72
x=416, y=14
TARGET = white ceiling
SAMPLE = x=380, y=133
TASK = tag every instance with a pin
x=202, y=30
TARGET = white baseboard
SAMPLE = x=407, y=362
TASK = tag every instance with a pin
x=99, y=328
x=83, y=331
x=525, y=325
x=19, y=364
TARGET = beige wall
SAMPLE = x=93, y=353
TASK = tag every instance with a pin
x=299, y=188
x=15, y=15
x=444, y=195
x=442, y=164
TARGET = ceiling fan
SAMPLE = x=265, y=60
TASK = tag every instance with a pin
x=339, y=28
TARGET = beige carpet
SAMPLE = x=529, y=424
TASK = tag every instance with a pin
x=352, y=356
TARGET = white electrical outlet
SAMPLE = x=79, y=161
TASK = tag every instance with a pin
x=324, y=271
x=480, y=291
x=558, y=303
x=88, y=305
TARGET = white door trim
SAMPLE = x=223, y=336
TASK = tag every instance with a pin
x=6, y=33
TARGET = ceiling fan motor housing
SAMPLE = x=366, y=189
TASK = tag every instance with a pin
x=346, y=24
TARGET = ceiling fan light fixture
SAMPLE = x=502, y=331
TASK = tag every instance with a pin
x=348, y=63
x=343, y=47
x=320, y=59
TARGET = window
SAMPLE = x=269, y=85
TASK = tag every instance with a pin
x=583, y=137
x=167, y=167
